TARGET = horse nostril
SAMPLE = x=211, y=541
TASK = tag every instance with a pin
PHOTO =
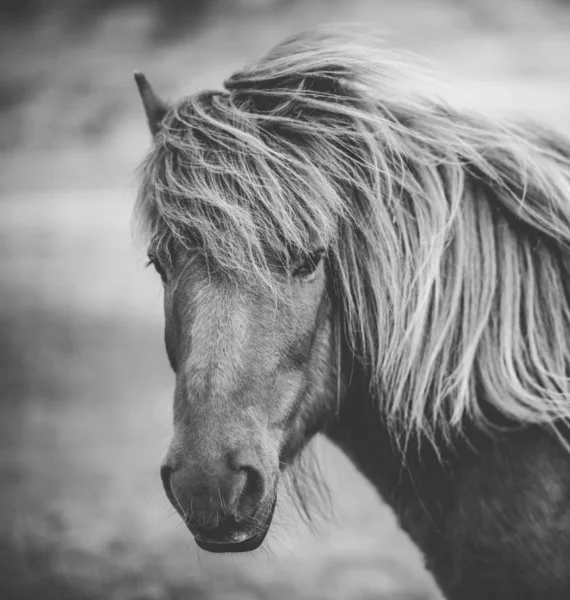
x=252, y=491
x=165, y=476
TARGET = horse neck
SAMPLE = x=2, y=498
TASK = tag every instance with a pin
x=360, y=430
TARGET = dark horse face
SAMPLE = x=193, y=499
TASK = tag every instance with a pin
x=252, y=367
x=250, y=390
x=252, y=364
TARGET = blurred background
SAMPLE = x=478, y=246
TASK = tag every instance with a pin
x=85, y=390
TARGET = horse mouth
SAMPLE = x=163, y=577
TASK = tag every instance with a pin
x=232, y=539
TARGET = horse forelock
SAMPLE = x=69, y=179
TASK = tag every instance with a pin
x=448, y=234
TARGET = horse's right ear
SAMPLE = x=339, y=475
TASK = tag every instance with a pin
x=154, y=107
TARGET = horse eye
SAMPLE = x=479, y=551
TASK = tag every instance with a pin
x=153, y=260
x=307, y=266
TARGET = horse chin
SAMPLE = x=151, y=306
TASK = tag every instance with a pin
x=224, y=540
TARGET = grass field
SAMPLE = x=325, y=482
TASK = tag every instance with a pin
x=85, y=390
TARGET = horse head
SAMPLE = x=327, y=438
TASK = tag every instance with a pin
x=253, y=366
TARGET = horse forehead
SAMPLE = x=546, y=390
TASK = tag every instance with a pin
x=220, y=315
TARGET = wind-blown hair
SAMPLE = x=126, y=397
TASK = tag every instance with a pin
x=447, y=234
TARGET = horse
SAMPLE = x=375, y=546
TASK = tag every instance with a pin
x=346, y=251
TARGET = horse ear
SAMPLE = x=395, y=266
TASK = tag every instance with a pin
x=154, y=107
x=325, y=83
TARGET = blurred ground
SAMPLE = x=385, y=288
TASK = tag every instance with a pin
x=85, y=391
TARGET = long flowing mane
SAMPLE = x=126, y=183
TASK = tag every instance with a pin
x=448, y=233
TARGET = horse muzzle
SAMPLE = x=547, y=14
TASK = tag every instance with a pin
x=227, y=508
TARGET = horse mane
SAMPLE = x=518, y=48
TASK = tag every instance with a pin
x=447, y=232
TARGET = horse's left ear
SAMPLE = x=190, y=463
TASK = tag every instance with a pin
x=154, y=107
x=327, y=83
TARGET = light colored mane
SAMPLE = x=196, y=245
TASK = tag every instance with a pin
x=448, y=234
